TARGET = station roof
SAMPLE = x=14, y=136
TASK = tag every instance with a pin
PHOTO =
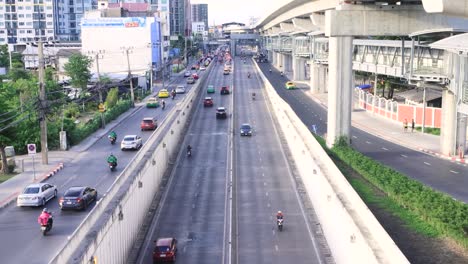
x=457, y=44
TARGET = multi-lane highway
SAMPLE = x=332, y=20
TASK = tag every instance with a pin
x=197, y=208
x=18, y=226
x=430, y=170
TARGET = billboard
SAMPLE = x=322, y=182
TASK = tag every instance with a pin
x=115, y=22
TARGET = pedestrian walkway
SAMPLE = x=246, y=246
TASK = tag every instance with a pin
x=388, y=130
x=10, y=189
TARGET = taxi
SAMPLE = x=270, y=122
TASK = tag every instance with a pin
x=290, y=85
x=163, y=93
x=210, y=89
x=152, y=103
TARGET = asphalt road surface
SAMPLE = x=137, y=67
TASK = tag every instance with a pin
x=19, y=230
x=442, y=175
x=196, y=209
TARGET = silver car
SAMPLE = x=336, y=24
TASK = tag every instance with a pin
x=180, y=89
x=131, y=142
x=36, y=194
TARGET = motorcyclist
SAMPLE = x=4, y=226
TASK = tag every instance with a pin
x=173, y=93
x=112, y=159
x=269, y=70
x=113, y=135
x=189, y=149
x=163, y=104
x=279, y=215
x=45, y=218
x=281, y=73
x=248, y=74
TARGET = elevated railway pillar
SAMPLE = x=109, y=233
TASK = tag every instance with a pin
x=299, y=69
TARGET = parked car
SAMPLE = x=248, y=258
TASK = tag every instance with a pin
x=180, y=89
x=246, y=130
x=290, y=85
x=78, y=197
x=148, y=123
x=152, y=102
x=131, y=142
x=210, y=89
x=163, y=93
x=208, y=101
x=221, y=113
x=226, y=71
x=224, y=90
x=195, y=76
x=187, y=74
x=165, y=250
x=190, y=80
x=36, y=194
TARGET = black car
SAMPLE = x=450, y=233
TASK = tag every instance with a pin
x=246, y=130
x=78, y=197
x=221, y=113
x=224, y=90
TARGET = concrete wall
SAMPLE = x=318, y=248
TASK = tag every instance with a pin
x=352, y=232
x=110, y=229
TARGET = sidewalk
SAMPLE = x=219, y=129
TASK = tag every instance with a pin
x=389, y=130
x=11, y=188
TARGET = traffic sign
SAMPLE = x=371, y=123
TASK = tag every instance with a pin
x=31, y=149
x=102, y=107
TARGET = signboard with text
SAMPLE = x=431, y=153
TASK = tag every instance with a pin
x=122, y=22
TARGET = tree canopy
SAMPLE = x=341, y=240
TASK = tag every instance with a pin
x=77, y=68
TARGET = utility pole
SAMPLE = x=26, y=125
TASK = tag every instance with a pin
x=127, y=51
x=103, y=120
x=42, y=103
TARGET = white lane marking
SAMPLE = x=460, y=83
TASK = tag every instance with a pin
x=266, y=193
x=367, y=142
x=276, y=247
x=354, y=137
x=427, y=163
x=263, y=174
x=268, y=205
x=384, y=148
x=403, y=155
x=264, y=184
x=452, y=171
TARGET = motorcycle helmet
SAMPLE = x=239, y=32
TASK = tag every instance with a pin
x=279, y=212
x=45, y=210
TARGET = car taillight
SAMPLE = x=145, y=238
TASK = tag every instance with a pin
x=61, y=200
x=78, y=200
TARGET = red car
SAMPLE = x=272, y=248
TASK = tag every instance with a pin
x=195, y=76
x=165, y=250
x=225, y=90
x=148, y=123
x=208, y=101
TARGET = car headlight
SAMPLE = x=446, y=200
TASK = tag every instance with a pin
x=35, y=197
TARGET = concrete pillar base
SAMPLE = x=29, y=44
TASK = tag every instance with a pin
x=448, y=126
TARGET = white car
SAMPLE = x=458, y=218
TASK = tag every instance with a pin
x=187, y=74
x=202, y=68
x=36, y=194
x=131, y=142
x=180, y=89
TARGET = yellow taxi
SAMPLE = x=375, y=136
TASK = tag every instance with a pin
x=290, y=85
x=163, y=93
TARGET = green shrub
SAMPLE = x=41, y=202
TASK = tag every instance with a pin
x=112, y=97
x=72, y=111
x=446, y=215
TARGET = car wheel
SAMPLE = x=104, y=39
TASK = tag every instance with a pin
x=55, y=194
x=43, y=201
x=85, y=205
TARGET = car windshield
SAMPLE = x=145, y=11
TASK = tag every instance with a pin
x=30, y=190
x=163, y=248
x=148, y=121
x=129, y=139
x=72, y=193
x=245, y=127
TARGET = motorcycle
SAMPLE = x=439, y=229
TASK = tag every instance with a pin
x=248, y=75
x=253, y=96
x=112, y=139
x=279, y=222
x=189, y=153
x=47, y=227
x=112, y=165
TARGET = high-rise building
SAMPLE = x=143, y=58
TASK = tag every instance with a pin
x=67, y=17
x=24, y=21
x=180, y=17
x=200, y=13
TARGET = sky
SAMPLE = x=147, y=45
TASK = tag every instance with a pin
x=223, y=11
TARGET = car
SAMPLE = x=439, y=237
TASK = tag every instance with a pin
x=195, y=76
x=290, y=85
x=221, y=113
x=163, y=93
x=226, y=72
x=187, y=74
x=208, y=101
x=165, y=250
x=77, y=198
x=210, y=89
x=36, y=194
x=152, y=102
x=246, y=130
x=224, y=90
x=190, y=80
x=180, y=89
x=131, y=142
x=195, y=67
x=148, y=123
x=202, y=68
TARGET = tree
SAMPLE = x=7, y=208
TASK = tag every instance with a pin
x=8, y=119
x=77, y=68
x=112, y=97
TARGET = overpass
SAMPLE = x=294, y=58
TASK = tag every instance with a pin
x=324, y=41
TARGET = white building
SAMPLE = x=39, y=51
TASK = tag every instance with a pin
x=198, y=28
x=25, y=20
